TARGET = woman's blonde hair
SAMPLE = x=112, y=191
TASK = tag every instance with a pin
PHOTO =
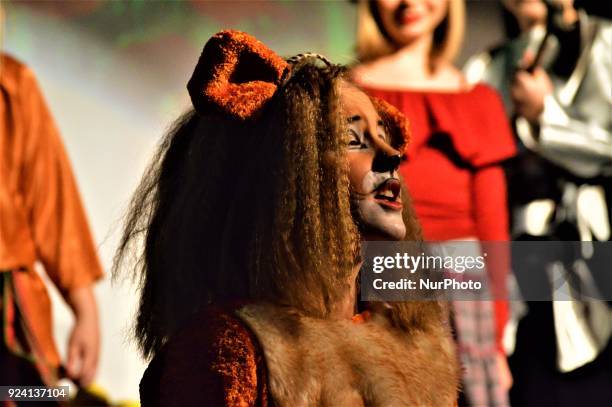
x=373, y=42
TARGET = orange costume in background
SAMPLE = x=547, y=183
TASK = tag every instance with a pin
x=41, y=219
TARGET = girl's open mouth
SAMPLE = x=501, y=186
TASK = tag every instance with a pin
x=388, y=194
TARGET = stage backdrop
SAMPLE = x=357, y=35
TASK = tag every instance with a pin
x=114, y=75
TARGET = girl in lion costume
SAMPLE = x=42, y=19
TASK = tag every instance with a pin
x=252, y=217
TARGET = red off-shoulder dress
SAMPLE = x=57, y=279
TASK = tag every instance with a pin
x=453, y=172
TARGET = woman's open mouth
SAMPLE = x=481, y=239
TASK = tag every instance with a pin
x=387, y=194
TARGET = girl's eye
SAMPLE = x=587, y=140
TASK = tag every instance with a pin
x=353, y=138
x=382, y=133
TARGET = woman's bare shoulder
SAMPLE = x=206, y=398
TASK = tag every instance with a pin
x=445, y=77
x=448, y=77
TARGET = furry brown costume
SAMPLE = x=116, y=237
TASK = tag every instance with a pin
x=216, y=359
x=247, y=356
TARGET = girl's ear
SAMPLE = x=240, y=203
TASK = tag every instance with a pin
x=236, y=75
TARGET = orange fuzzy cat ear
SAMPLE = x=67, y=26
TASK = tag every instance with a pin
x=397, y=122
x=235, y=75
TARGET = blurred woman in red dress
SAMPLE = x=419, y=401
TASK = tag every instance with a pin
x=453, y=171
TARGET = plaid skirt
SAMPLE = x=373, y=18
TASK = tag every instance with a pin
x=474, y=324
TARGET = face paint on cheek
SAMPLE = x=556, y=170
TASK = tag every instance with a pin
x=373, y=215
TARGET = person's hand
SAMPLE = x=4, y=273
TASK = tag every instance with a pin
x=84, y=342
x=528, y=92
x=503, y=370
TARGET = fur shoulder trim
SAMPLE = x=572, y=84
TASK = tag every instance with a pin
x=316, y=362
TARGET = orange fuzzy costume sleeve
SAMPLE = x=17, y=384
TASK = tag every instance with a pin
x=214, y=361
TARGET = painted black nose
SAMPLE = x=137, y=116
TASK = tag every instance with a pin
x=386, y=163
